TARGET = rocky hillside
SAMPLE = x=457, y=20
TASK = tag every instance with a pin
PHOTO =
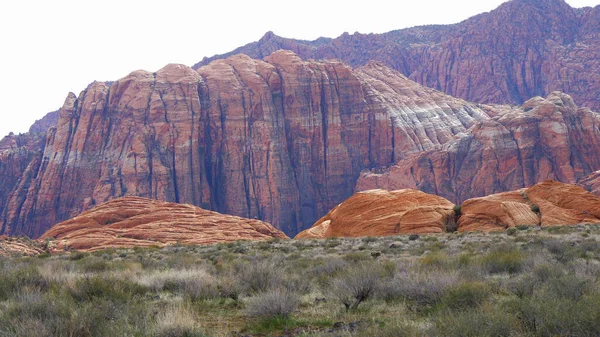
x=546, y=138
x=407, y=211
x=522, y=49
x=280, y=139
x=137, y=222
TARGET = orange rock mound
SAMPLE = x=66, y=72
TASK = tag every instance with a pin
x=134, y=221
x=380, y=213
x=548, y=203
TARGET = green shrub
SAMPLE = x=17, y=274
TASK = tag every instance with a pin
x=504, y=261
x=485, y=321
x=466, y=295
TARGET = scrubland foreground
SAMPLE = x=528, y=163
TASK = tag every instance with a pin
x=522, y=282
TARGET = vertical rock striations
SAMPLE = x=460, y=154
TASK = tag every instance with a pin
x=282, y=140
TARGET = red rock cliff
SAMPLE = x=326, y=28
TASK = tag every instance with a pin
x=282, y=140
x=524, y=48
x=544, y=139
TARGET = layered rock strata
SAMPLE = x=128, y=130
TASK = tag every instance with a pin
x=282, y=139
x=546, y=138
x=385, y=213
x=545, y=204
x=137, y=222
x=382, y=213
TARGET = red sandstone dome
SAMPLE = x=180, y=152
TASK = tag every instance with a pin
x=134, y=221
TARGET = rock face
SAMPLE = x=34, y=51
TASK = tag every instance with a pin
x=591, y=182
x=134, y=221
x=544, y=139
x=545, y=204
x=524, y=48
x=383, y=213
x=20, y=158
x=10, y=246
x=282, y=140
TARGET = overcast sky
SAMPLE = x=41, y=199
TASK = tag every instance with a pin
x=49, y=48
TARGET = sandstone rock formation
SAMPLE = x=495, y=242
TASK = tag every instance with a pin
x=11, y=246
x=544, y=139
x=407, y=211
x=382, y=213
x=282, y=140
x=591, y=182
x=545, y=204
x=522, y=49
x=137, y=222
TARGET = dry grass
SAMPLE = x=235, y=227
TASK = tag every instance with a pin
x=518, y=283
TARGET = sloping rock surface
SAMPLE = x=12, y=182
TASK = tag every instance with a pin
x=522, y=49
x=135, y=221
x=382, y=213
x=548, y=203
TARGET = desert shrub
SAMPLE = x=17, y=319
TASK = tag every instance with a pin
x=560, y=250
x=328, y=269
x=522, y=286
x=176, y=321
x=355, y=257
x=259, y=276
x=195, y=284
x=357, y=285
x=485, y=321
x=504, y=261
x=466, y=295
x=511, y=231
x=548, y=315
x=89, y=288
x=535, y=209
x=435, y=259
x=419, y=289
x=15, y=278
x=273, y=303
x=230, y=287
x=567, y=286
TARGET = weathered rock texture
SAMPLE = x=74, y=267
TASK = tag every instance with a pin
x=137, y=222
x=545, y=204
x=591, y=182
x=544, y=139
x=522, y=49
x=11, y=246
x=282, y=140
x=383, y=213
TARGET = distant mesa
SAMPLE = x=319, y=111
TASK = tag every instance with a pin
x=137, y=222
x=385, y=213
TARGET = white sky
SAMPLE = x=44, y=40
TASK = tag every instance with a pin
x=52, y=47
